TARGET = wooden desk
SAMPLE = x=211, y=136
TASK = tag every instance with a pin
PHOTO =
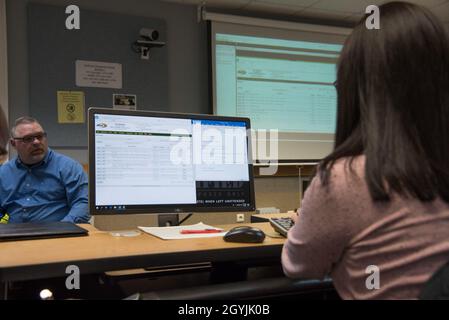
x=101, y=252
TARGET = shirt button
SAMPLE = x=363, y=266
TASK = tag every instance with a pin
x=28, y=184
x=28, y=199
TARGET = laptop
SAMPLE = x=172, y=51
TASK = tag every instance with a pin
x=40, y=230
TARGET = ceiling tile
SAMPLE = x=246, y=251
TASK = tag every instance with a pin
x=219, y=3
x=352, y=6
x=273, y=8
x=442, y=11
x=190, y=1
x=174, y=1
x=330, y=9
x=299, y=3
x=428, y=3
x=322, y=14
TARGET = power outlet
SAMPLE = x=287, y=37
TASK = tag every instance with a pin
x=240, y=217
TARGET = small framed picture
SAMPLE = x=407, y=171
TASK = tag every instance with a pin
x=124, y=101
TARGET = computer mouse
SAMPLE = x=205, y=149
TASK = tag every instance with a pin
x=244, y=234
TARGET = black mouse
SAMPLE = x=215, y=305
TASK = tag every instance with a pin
x=244, y=234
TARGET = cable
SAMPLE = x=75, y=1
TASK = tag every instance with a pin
x=185, y=218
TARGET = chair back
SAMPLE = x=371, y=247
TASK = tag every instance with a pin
x=437, y=287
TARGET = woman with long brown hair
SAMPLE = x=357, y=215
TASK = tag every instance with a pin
x=376, y=216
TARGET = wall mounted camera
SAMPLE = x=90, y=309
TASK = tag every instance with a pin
x=146, y=42
x=149, y=34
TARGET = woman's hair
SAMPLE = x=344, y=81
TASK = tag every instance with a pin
x=393, y=104
x=4, y=136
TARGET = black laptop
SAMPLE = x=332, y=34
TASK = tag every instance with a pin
x=39, y=230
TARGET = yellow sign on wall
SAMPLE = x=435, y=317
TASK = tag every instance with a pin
x=70, y=106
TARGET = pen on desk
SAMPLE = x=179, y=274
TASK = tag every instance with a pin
x=201, y=231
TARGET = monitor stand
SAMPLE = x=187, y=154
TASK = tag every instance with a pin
x=167, y=220
x=125, y=233
x=171, y=219
x=164, y=220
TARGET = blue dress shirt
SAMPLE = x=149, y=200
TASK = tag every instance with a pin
x=53, y=190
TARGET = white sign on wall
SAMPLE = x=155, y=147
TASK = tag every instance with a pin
x=98, y=74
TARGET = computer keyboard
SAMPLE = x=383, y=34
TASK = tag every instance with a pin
x=282, y=225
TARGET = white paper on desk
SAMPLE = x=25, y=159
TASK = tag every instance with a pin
x=173, y=233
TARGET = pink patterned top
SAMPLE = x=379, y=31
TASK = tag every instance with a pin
x=341, y=232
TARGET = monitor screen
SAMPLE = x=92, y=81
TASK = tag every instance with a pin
x=153, y=162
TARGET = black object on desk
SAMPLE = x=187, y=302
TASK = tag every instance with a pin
x=40, y=230
x=282, y=225
x=244, y=234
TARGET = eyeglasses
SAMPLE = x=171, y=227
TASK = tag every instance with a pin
x=30, y=139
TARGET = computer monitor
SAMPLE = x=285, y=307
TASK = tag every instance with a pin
x=155, y=162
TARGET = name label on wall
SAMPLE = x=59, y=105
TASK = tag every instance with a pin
x=98, y=74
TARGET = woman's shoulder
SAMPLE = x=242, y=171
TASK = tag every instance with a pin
x=352, y=165
x=345, y=182
x=347, y=170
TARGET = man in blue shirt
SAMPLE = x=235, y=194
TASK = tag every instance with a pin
x=41, y=184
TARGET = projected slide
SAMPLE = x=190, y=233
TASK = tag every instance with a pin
x=279, y=84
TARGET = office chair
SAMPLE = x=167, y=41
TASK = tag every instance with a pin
x=437, y=287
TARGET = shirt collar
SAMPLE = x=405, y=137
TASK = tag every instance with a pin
x=47, y=158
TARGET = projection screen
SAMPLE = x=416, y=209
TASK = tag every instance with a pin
x=281, y=76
